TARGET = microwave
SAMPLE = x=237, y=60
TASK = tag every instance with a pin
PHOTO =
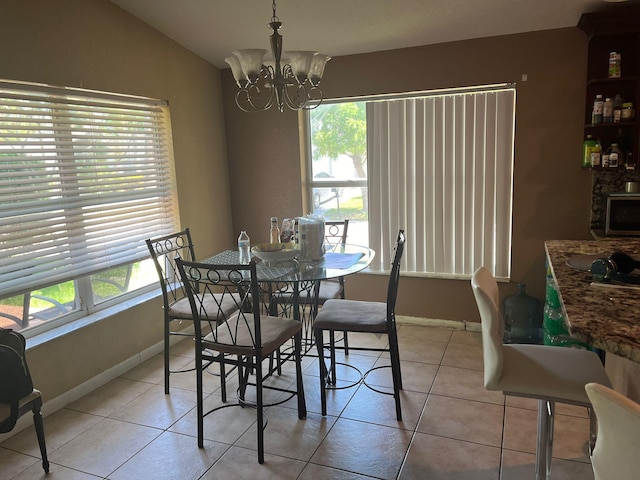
x=622, y=216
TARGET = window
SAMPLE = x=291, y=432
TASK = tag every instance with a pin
x=85, y=178
x=438, y=164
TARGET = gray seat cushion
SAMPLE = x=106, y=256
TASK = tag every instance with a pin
x=236, y=335
x=182, y=309
x=352, y=315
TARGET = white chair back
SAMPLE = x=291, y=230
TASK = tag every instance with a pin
x=617, y=452
x=485, y=289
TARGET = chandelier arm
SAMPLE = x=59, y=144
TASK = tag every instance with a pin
x=285, y=88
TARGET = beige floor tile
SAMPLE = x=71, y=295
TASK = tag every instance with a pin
x=56, y=472
x=418, y=350
x=364, y=448
x=463, y=356
x=463, y=420
x=465, y=337
x=288, y=436
x=337, y=399
x=241, y=463
x=104, y=447
x=156, y=409
x=519, y=466
x=319, y=472
x=12, y=463
x=225, y=425
x=571, y=434
x=170, y=456
x=152, y=435
x=438, y=458
x=373, y=407
x=432, y=334
x=416, y=377
x=464, y=383
x=59, y=428
x=561, y=408
x=110, y=397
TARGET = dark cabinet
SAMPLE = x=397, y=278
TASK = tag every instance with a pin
x=616, y=29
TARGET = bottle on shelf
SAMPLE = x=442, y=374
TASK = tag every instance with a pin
x=617, y=108
x=587, y=149
x=615, y=155
x=598, y=107
x=596, y=154
x=614, y=65
x=607, y=110
x=628, y=112
x=274, y=233
x=244, y=248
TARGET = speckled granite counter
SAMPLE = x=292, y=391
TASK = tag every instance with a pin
x=605, y=317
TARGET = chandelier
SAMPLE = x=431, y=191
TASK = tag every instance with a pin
x=290, y=78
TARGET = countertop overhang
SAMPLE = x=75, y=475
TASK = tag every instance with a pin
x=606, y=317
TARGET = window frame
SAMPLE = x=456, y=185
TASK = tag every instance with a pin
x=308, y=183
x=86, y=301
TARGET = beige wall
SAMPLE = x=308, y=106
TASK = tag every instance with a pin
x=94, y=44
x=551, y=191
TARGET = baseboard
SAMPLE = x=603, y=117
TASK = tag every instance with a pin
x=70, y=396
x=437, y=322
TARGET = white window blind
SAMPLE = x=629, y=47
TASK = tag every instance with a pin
x=85, y=178
x=441, y=168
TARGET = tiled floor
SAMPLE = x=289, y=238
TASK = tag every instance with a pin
x=452, y=429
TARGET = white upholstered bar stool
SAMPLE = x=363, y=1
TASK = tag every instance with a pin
x=546, y=373
x=616, y=455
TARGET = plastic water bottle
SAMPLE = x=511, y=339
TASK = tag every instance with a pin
x=244, y=248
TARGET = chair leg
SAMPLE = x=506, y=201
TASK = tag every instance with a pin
x=544, y=450
x=199, y=399
x=323, y=370
x=223, y=378
x=395, y=352
x=333, y=378
x=39, y=426
x=302, y=403
x=166, y=356
x=395, y=373
x=259, y=408
x=345, y=341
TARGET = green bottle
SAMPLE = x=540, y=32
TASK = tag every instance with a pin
x=588, y=147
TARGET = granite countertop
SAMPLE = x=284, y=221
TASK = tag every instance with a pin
x=605, y=317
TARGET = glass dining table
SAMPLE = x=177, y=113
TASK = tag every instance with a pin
x=291, y=288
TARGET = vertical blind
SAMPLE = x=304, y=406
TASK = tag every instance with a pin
x=85, y=178
x=441, y=167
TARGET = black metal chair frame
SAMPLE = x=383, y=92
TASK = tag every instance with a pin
x=239, y=338
x=328, y=375
x=165, y=251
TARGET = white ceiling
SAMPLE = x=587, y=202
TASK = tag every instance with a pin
x=214, y=28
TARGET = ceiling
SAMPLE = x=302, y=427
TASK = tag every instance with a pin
x=214, y=28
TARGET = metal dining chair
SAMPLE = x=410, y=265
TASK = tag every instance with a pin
x=547, y=373
x=175, y=304
x=340, y=315
x=242, y=338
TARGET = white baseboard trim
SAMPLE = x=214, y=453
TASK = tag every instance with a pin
x=70, y=396
x=437, y=322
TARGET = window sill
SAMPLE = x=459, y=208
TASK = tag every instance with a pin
x=41, y=338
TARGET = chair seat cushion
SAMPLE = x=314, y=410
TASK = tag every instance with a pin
x=559, y=373
x=352, y=316
x=328, y=291
x=274, y=331
x=182, y=309
x=5, y=409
